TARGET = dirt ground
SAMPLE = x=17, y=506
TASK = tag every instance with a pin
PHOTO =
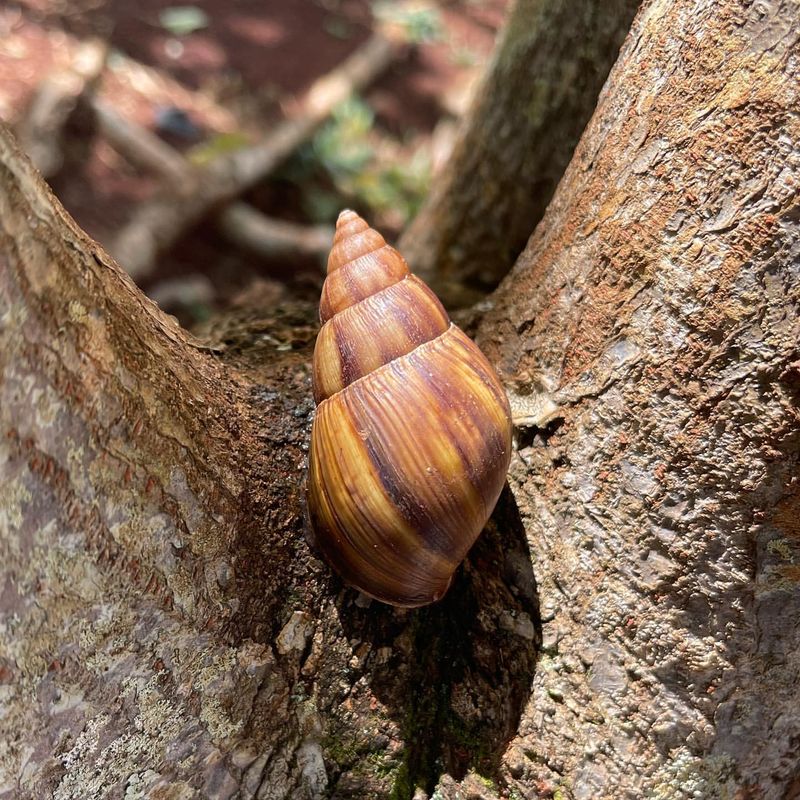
x=236, y=71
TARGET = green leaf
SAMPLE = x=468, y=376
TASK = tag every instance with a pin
x=218, y=145
x=183, y=20
x=420, y=22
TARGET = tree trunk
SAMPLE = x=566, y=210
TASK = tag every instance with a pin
x=650, y=330
x=166, y=632
x=515, y=143
x=132, y=521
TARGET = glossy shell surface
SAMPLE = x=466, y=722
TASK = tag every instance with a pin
x=412, y=434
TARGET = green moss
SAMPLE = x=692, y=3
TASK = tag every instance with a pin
x=403, y=787
x=351, y=754
x=342, y=751
x=469, y=738
x=381, y=765
x=487, y=782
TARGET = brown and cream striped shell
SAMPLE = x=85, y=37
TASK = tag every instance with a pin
x=412, y=434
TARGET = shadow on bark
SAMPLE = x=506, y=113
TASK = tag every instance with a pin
x=467, y=661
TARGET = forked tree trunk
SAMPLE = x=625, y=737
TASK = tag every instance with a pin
x=165, y=631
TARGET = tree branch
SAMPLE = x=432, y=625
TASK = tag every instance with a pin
x=121, y=380
x=54, y=104
x=653, y=317
x=159, y=222
x=239, y=222
x=515, y=142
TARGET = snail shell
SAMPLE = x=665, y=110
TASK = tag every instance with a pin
x=412, y=434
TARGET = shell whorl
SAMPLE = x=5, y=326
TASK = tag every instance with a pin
x=359, y=265
x=373, y=309
x=412, y=435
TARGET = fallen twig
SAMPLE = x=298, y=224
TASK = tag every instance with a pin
x=266, y=236
x=160, y=221
x=239, y=222
x=41, y=133
x=138, y=145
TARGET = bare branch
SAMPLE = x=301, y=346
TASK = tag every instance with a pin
x=55, y=102
x=162, y=220
x=139, y=146
x=239, y=222
x=245, y=226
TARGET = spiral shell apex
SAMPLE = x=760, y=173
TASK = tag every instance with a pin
x=412, y=434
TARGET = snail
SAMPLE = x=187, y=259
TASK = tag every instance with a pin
x=411, y=438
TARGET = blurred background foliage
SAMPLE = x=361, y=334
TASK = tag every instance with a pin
x=214, y=76
x=366, y=167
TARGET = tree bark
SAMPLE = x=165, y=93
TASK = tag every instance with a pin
x=127, y=504
x=650, y=330
x=515, y=143
x=166, y=632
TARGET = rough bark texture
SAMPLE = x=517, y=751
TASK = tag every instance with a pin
x=652, y=328
x=515, y=143
x=126, y=511
x=165, y=631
